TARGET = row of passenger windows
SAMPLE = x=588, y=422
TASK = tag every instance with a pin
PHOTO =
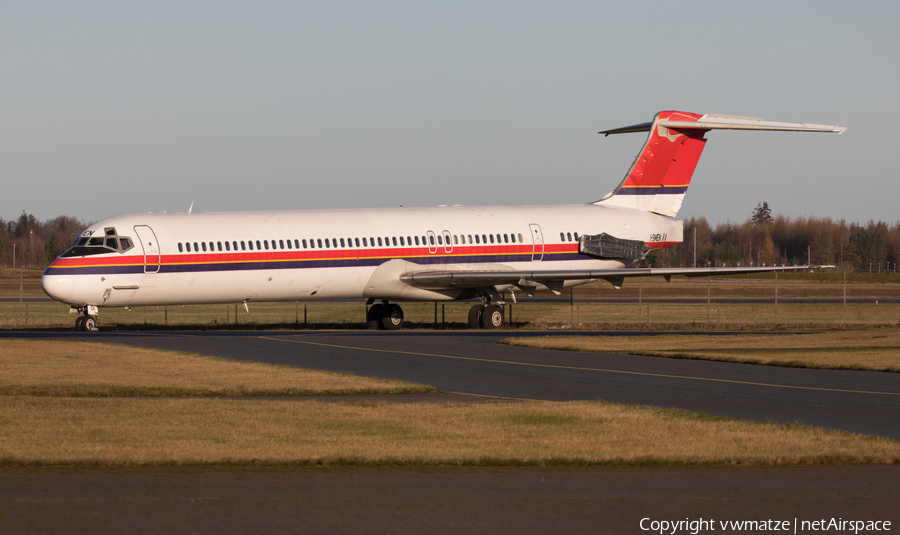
x=567, y=236
x=328, y=243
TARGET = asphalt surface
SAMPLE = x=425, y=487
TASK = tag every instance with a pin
x=472, y=362
x=467, y=500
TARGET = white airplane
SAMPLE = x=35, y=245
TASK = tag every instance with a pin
x=391, y=255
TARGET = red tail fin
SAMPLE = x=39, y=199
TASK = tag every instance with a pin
x=662, y=171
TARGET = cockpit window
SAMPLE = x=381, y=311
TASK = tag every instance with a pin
x=106, y=243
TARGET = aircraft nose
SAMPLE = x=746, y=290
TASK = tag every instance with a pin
x=59, y=287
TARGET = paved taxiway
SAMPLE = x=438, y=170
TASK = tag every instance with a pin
x=444, y=500
x=471, y=362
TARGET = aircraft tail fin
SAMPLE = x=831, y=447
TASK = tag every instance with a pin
x=662, y=171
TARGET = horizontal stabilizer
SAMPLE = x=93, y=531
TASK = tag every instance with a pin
x=714, y=121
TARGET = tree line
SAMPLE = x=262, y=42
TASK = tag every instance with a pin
x=762, y=239
x=31, y=243
x=781, y=240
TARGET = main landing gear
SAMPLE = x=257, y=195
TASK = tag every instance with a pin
x=86, y=323
x=389, y=316
x=384, y=315
x=485, y=316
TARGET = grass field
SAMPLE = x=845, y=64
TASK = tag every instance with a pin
x=56, y=410
x=111, y=432
x=50, y=368
x=862, y=349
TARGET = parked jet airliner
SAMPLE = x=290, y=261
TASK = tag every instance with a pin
x=391, y=255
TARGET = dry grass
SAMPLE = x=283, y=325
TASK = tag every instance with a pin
x=50, y=431
x=93, y=369
x=877, y=350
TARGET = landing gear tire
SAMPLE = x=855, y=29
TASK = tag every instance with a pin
x=392, y=318
x=79, y=323
x=475, y=314
x=374, y=317
x=89, y=324
x=492, y=317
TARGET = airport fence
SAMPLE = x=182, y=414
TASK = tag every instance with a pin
x=683, y=302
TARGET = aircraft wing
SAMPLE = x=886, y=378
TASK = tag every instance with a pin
x=553, y=280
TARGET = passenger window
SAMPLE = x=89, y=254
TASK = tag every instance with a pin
x=227, y=246
x=576, y=236
x=409, y=240
x=333, y=242
x=196, y=248
x=568, y=236
x=483, y=238
x=431, y=239
x=365, y=242
x=505, y=238
x=219, y=245
x=387, y=241
x=234, y=245
x=212, y=247
x=417, y=240
x=281, y=244
x=204, y=246
x=401, y=241
x=562, y=236
x=439, y=240
x=242, y=246
x=520, y=238
x=319, y=242
x=180, y=249
x=456, y=239
x=394, y=239
x=257, y=245
x=356, y=241
x=492, y=237
x=476, y=239
x=498, y=238
x=266, y=244
x=379, y=242
x=289, y=244
x=342, y=242
x=470, y=239
x=326, y=243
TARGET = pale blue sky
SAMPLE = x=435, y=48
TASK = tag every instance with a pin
x=118, y=107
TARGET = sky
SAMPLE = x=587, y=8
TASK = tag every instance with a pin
x=109, y=108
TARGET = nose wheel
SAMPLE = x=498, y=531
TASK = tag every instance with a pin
x=86, y=324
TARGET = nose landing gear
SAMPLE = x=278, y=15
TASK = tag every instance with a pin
x=86, y=323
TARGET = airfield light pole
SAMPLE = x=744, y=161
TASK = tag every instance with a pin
x=695, y=246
